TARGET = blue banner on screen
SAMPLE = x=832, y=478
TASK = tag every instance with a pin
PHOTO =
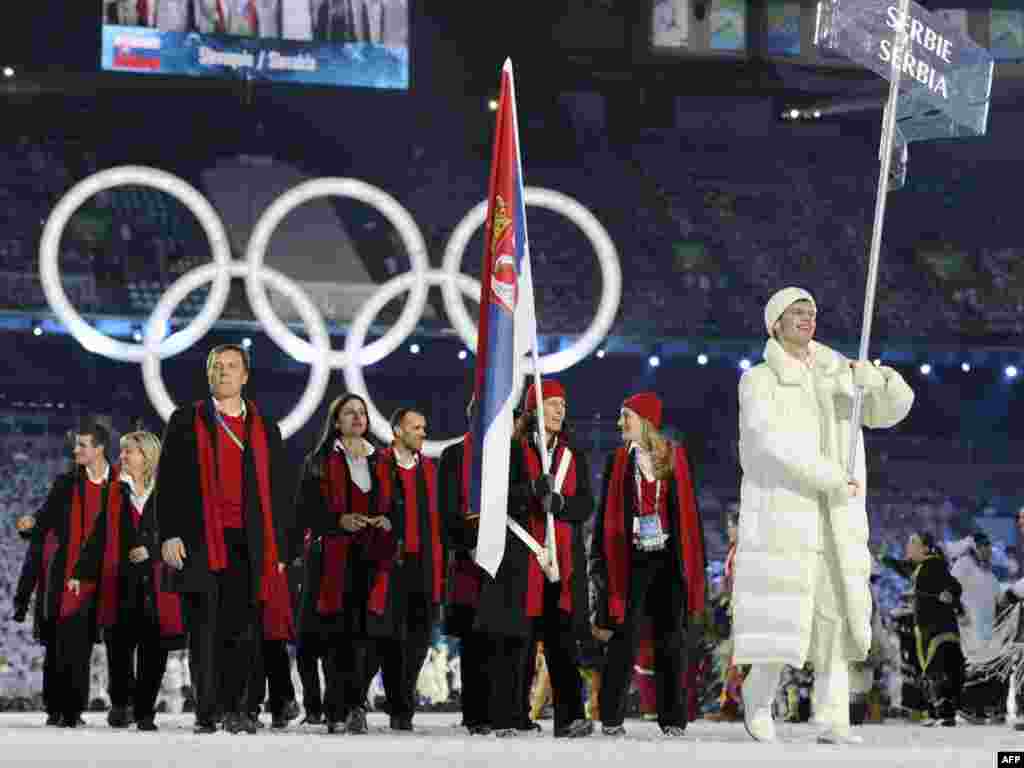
x=361, y=43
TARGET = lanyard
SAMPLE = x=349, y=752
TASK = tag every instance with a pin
x=234, y=438
x=640, y=489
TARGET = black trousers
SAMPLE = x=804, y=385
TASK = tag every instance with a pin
x=555, y=630
x=221, y=623
x=74, y=638
x=48, y=636
x=349, y=667
x=403, y=653
x=506, y=680
x=476, y=689
x=651, y=585
x=945, y=680
x=310, y=652
x=271, y=669
x=136, y=660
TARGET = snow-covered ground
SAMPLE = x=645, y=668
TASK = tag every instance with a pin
x=438, y=741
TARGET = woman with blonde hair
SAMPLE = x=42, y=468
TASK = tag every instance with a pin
x=647, y=559
x=141, y=623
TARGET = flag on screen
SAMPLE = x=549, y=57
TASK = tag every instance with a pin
x=507, y=330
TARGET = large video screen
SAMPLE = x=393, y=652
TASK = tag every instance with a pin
x=362, y=43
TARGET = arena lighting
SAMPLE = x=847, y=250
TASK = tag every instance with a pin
x=878, y=361
x=965, y=367
x=246, y=342
x=37, y=330
x=817, y=114
x=1011, y=371
x=137, y=335
x=654, y=361
x=463, y=354
x=926, y=369
x=492, y=105
x=414, y=349
x=794, y=114
x=8, y=72
x=702, y=359
x=600, y=353
x=745, y=364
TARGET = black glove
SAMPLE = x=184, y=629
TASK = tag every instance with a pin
x=542, y=486
x=557, y=503
x=25, y=535
x=20, y=612
x=1010, y=597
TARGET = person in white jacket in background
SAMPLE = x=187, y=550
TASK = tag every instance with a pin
x=802, y=561
x=972, y=567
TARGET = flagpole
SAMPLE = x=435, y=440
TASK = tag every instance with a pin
x=885, y=152
x=550, y=545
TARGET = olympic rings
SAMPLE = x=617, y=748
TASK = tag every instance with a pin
x=49, y=254
x=156, y=345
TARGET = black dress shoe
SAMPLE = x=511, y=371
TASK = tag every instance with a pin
x=479, y=730
x=575, y=730
x=312, y=718
x=401, y=723
x=356, y=723
x=288, y=712
x=530, y=727
x=71, y=721
x=53, y=719
x=240, y=722
x=205, y=726
x=120, y=717
x=146, y=724
x=335, y=727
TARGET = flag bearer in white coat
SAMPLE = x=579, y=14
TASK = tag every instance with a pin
x=802, y=562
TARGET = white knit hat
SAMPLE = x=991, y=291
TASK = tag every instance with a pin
x=781, y=301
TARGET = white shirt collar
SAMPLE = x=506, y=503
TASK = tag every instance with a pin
x=138, y=499
x=216, y=407
x=102, y=479
x=407, y=465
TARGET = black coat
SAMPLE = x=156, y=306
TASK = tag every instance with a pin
x=55, y=516
x=461, y=536
x=502, y=609
x=313, y=514
x=136, y=589
x=598, y=561
x=179, y=502
x=389, y=623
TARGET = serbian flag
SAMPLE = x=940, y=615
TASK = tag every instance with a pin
x=507, y=330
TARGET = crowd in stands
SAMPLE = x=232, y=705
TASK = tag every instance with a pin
x=754, y=221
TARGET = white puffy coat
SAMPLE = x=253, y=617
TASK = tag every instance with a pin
x=794, y=439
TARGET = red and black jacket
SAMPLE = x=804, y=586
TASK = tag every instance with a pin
x=465, y=577
x=611, y=549
x=120, y=598
x=332, y=556
x=432, y=557
x=180, y=504
x=510, y=601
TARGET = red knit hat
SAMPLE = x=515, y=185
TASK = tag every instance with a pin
x=550, y=388
x=646, y=405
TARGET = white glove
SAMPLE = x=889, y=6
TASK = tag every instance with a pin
x=868, y=377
